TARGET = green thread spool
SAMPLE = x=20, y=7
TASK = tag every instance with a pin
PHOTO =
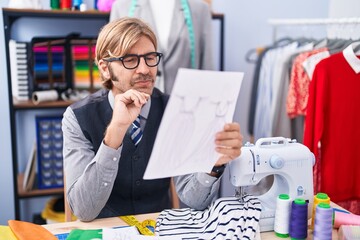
x=55, y=4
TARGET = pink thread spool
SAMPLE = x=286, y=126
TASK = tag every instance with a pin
x=341, y=218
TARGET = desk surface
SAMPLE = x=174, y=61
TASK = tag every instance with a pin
x=57, y=228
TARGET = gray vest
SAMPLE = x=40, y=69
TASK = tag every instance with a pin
x=130, y=194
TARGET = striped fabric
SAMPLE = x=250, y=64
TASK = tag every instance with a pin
x=226, y=218
x=136, y=132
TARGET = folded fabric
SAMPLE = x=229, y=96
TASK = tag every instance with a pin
x=6, y=233
x=29, y=231
x=79, y=234
x=226, y=218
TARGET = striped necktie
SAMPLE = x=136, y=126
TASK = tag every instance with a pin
x=136, y=132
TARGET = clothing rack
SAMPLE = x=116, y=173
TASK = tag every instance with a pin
x=276, y=23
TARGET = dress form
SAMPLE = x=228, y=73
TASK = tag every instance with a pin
x=163, y=16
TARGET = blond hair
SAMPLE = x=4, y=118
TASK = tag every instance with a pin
x=117, y=38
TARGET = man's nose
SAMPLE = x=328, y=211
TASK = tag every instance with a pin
x=143, y=68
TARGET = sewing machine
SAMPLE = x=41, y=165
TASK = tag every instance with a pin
x=284, y=165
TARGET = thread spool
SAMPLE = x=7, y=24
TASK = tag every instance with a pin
x=55, y=4
x=323, y=222
x=341, y=218
x=282, y=216
x=318, y=198
x=44, y=96
x=65, y=4
x=298, y=219
x=347, y=232
x=76, y=4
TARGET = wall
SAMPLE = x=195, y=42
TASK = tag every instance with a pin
x=344, y=8
x=6, y=186
x=246, y=27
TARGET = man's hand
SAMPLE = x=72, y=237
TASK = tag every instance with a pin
x=228, y=143
x=127, y=107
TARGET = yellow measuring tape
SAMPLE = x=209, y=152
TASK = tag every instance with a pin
x=142, y=227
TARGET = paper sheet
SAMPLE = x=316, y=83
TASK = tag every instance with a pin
x=119, y=233
x=200, y=104
x=129, y=233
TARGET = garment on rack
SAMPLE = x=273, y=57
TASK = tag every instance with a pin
x=255, y=81
x=253, y=96
x=298, y=91
x=281, y=124
x=281, y=86
x=226, y=218
x=270, y=115
x=331, y=126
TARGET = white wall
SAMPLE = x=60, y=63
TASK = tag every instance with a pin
x=6, y=176
x=344, y=8
x=246, y=27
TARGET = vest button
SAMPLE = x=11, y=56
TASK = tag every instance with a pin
x=137, y=182
x=135, y=158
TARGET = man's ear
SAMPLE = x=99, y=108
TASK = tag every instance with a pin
x=104, y=68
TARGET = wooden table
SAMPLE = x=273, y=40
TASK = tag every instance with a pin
x=57, y=228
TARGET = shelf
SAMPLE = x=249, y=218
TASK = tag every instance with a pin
x=12, y=25
x=17, y=13
x=36, y=192
x=23, y=105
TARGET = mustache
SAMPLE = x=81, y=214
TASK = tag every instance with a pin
x=143, y=77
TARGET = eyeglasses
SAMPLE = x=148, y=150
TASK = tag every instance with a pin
x=132, y=61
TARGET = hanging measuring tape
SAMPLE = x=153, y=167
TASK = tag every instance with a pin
x=146, y=227
x=189, y=25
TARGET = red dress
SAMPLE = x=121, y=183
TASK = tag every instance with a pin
x=333, y=120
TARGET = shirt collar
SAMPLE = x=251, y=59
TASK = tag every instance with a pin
x=144, y=113
x=351, y=57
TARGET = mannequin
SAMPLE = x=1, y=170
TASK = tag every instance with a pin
x=184, y=45
x=162, y=12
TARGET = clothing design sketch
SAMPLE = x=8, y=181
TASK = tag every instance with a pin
x=184, y=124
x=205, y=148
x=226, y=218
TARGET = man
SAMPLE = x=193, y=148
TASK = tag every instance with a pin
x=103, y=166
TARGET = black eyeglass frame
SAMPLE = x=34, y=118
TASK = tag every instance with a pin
x=121, y=59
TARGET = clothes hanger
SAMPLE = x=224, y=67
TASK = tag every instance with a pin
x=283, y=41
x=252, y=55
x=321, y=43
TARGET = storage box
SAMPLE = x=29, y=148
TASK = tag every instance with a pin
x=49, y=152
